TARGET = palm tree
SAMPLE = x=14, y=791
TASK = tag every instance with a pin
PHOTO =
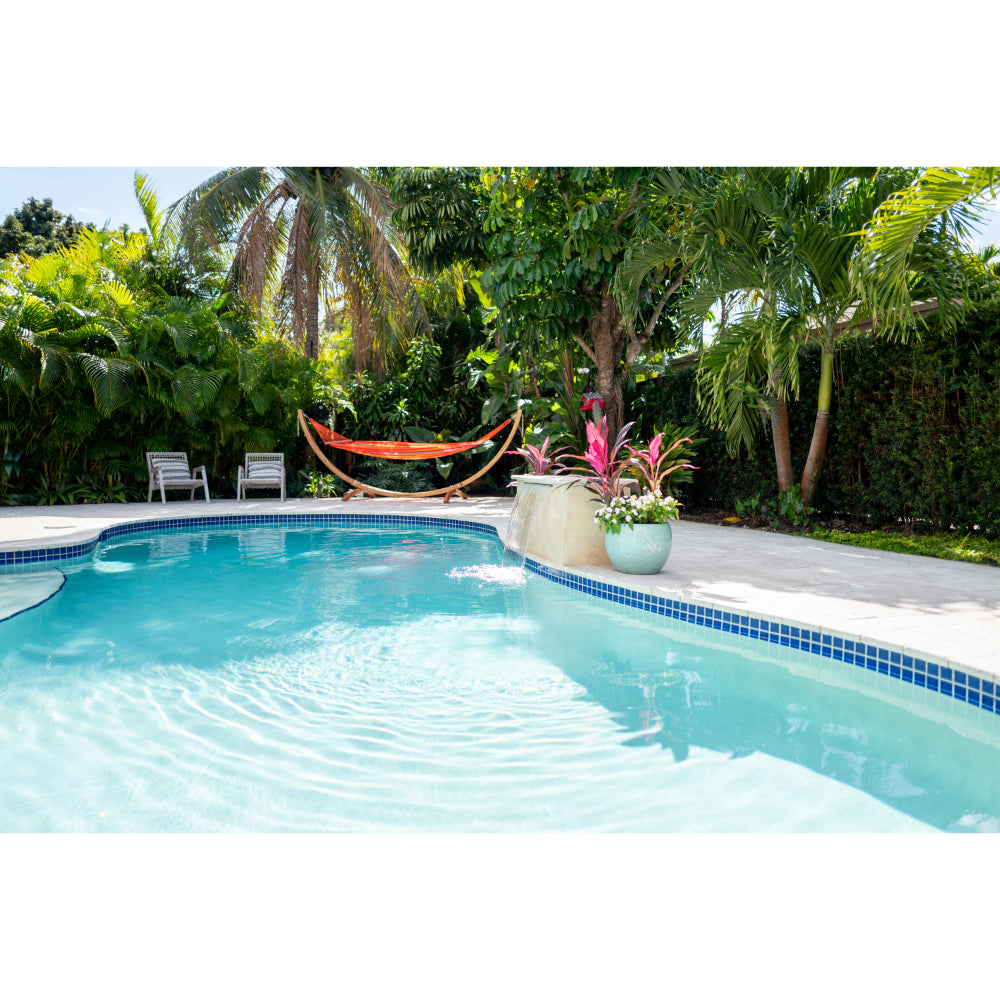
x=302, y=234
x=715, y=226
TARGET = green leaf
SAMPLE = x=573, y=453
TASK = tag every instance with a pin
x=420, y=434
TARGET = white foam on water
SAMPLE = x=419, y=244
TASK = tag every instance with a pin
x=512, y=576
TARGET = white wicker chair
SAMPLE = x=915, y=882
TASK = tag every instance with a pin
x=170, y=471
x=261, y=470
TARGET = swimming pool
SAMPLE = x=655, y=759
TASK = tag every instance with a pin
x=394, y=676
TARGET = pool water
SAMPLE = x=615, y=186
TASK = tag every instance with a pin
x=370, y=679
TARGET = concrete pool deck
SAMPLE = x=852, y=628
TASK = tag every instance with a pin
x=948, y=611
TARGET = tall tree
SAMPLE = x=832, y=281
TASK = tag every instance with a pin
x=557, y=237
x=299, y=235
x=36, y=228
x=713, y=225
x=441, y=213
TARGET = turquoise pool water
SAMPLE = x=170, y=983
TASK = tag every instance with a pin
x=370, y=679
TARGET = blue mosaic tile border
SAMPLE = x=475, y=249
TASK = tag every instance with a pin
x=981, y=690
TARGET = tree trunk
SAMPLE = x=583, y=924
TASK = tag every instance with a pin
x=782, y=446
x=607, y=338
x=817, y=447
x=778, y=408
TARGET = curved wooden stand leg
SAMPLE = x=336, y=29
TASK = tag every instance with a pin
x=354, y=493
x=456, y=489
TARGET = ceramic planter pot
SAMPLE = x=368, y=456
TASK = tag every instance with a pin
x=639, y=548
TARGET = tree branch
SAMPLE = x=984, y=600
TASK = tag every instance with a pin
x=585, y=347
x=638, y=343
x=632, y=202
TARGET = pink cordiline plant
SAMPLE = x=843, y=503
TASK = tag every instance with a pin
x=606, y=469
x=608, y=477
x=540, y=461
x=648, y=464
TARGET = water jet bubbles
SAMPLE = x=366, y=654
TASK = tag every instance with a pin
x=108, y=566
x=508, y=576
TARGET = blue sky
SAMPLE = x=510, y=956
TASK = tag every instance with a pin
x=95, y=194
x=104, y=194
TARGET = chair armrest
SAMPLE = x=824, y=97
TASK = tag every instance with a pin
x=201, y=468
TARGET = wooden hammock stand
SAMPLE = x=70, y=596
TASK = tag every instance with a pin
x=456, y=489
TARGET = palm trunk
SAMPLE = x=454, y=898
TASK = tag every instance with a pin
x=311, y=344
x=817, y=447
x=778, y=409
x=782, y=445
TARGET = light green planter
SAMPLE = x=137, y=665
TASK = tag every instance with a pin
x=639, y=549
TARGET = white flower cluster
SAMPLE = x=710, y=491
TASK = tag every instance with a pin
x=638, y=508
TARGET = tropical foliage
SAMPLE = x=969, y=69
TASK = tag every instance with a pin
x=304, y=236
x=940, y=199
x=558, y=237
x=429, y=303
x=914, y=443
x=541, y=461
x=112, y=347
x=781, y=246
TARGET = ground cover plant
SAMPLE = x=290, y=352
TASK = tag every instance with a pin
x=940, y=545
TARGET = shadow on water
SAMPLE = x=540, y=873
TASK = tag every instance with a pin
x=680, y=687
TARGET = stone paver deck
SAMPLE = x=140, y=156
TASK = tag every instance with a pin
x=943, y=610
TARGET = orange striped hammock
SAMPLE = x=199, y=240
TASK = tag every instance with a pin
x=402, y=450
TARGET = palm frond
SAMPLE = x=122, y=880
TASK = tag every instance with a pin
x=110, y=379
x=947, y=192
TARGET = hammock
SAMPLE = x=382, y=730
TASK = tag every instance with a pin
x=402, y=450
x=399, y=449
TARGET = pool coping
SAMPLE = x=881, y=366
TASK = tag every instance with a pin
x=664, y=594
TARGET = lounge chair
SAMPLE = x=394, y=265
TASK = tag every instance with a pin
x=170, y=471
x=261, y=470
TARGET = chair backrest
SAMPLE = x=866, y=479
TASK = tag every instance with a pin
x=264, y=465
x=174, y=464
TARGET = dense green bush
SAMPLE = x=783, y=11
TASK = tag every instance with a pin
x=917, y=432
x=718, y=480
x=105, y=353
